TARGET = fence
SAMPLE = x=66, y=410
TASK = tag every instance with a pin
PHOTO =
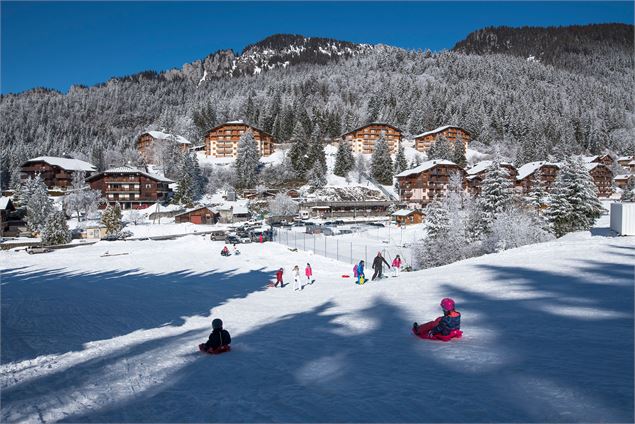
x=336, y=248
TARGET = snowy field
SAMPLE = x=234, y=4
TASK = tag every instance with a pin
x=548, y=336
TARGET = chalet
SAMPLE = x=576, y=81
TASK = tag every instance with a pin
x=451, y=133
x=602, y=177
x=621, y=180
x=6, y=209
x=607, y=159
x=146, y=143
x=234, y=213
x=478, y=172
x=362, y=139
x=408, y=216
x=341, y=209
x=547, y=171
x=130, y=186
x=624, y=161
x=222, y=140
x=427, y=181
x=200, y=215
x=630, y=167
x=56, y=172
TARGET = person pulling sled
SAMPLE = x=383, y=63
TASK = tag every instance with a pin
x=219, y=340
x=378, y=265
x=443, y=328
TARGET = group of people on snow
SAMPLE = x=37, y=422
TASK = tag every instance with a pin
x=297, y=281
x=225, y=251
x=378, y=267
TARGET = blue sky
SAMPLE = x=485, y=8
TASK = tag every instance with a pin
x=56, y=45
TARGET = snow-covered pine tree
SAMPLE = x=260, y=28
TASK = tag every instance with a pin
x=441, y=149
x=25, y=188
x=111, y=218
x=344, y=161
x=360, y=167
x=80, y=197
x=381, y=163
x=537, y=196
x=401, y=164
x=38, y=205
x=437, y=220
x=316, y=155
x=283, y=205
x=458, y=153
x=299, y=150
x=247, y=160
x=496, y=191
x=198, y=178
x=56, y=230
x=317, y=176
x=628, y=195
x=574, y=204
x=185, y=189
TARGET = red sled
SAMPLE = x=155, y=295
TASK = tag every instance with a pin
x=454, y=334
x=217, y=351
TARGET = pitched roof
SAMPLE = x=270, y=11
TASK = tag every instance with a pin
x=126, y=169
x=403, y=212
x=531, y=167
x=240, y=121
x=4, y=202
x=625, y=158
x=424, y=167
x=160, y=135
x=368, y=125
x=194, y=210
x=622, y=177
x=65, y=163
x=437, y=130
x=482, y=166
x=240, y=210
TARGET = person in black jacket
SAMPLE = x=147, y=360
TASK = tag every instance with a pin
x=219, y=339
x=378, y=266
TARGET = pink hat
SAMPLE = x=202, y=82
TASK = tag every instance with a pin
x=447, y=304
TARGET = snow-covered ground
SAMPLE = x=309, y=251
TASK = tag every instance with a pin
x=548, y=336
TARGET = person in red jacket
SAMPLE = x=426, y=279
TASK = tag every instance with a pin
x=279, y=278
x=309, y=274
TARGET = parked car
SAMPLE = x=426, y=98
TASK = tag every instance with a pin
x=232, y=239
x=217, y=235
x=243, y=237
x=313, y=229
x=339, y=222
x=329, y=231
x=376, y=224
x=298, y=224
x=345, y=231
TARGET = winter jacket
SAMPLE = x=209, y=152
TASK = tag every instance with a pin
x=279, y=276
x=308, y=271
x=396, y=263
x=447, y=323
x=296, y=272
x=360, y=270
x=377, y=262
x=218, y=338
x=355, y=267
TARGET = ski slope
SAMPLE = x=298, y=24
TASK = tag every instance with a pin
x=548, y=336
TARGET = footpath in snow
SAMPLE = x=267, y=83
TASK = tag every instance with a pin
x=548, y=336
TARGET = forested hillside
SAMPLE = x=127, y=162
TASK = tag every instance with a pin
x=528, y=109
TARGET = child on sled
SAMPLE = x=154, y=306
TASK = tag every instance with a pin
x=443, y=328
x=219, y=340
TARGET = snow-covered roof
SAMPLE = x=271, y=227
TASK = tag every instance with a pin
x=424, y=167
x=160, y=135
x=4, y=202
x=240, y=210
x=531, y=167
x=631, y=163
x=625, y=158
x=403, y=212
x=66, y=164
x=132, y=170
x=238, y=121
x=589, y=159
x=195, y=209
x=482, y=166
x=438, y=130
x=622, y=177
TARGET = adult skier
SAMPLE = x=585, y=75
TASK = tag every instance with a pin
x=378, y=266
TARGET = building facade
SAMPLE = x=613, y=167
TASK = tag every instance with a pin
x=146, y=143
x=602, y=177
x=476, y=174
x=222, y=140
x=428, y=181
x=202, y=215
x=363, y=139
x=131, y=187
x=56, y=172
x=548, y=172
x=451, y=133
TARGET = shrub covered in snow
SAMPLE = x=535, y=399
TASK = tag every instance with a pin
x=514, y=228
x=283, y=205
x=111, y=218
x=56, y=230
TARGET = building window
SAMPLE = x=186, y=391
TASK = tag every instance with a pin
x=148, y=185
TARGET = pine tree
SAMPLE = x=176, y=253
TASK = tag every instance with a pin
x=247, y=160
x=458, y=153
x=537, y=196
x=574, y=204
x=441, y=149
x=496, y=191
x=56, y=230
x=38, y=205
x=344, y=161
x=437, y=220
x=628, y=195
x=317, y=176
x=401, y=164
x=381, y=163
x=299, y=150
x=360, y=167
x=185, y=190
x=111, y=218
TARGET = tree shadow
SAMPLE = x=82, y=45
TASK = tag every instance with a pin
x=56, y=311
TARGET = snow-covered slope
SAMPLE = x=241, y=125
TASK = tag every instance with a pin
x=548, y=337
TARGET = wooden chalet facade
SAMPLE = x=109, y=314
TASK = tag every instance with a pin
x=548, y=172
x=621, y=180
x=449, y=132
x=222, y=140
x=131, y=187
x=408, y=216
x=56, y=172
x=602, y=177
x=344, y=209
x=624, y=161
x=476, y=174
x=147, y=140
x=201, y=215
x=362, y=139
x=427, y=181
x=607, y=160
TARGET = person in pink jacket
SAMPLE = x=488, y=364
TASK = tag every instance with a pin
x=396, y=265
x=309, y=274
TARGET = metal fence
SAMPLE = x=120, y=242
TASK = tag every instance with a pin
x=336, y=248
